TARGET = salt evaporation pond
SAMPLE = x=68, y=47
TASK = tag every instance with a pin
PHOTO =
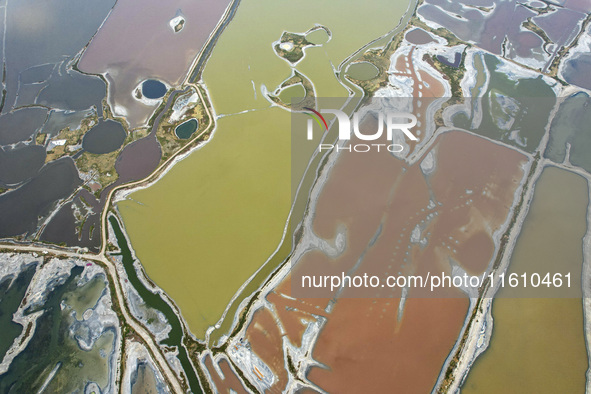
x=105, y=137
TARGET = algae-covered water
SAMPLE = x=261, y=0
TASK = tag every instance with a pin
x=292, y=94
x=538, y=344
x=175, y=336
x=216, y=217
x=362, y=71
x=317, y=37
x=86, y=296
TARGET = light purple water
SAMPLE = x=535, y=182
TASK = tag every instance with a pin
x=136, y=43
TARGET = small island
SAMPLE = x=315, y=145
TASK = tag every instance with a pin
x=291, y=45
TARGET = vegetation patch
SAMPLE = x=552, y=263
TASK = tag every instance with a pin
x=169, y=142
x=531, y=26
x=381, y=59
x=451, y=74
x=70, y=141
x=553, y=69
x=101, y=167
x=291, y=46
x=40, y=138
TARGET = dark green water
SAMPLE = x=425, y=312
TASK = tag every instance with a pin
x=185, y=130
x=538, y=339
x=10, y=299
x=175, y=337
x=48, y=346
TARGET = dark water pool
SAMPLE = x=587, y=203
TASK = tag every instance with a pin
x=153, y=89
x=185, y=130
x=105, y=137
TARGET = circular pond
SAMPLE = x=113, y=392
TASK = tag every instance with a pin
x=362, y=71
x=317, y=37
x=105, y=137
x=293, y=94
x=153, y=89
